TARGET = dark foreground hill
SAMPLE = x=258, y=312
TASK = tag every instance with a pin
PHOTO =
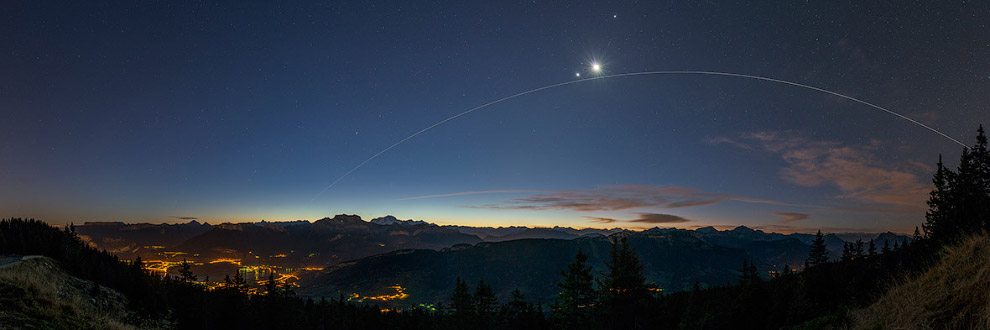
x=952, y=294
x=37, y=294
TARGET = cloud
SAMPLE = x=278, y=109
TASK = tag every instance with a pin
x=652, y=218
x=184, y=218
x=659, y=218
x=791, y=217
x=602, y=220
x=853, y=169
x=623, y=197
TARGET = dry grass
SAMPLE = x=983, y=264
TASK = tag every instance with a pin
x=36, y=293
x=954, y=294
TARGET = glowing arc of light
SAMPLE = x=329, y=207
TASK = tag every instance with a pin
x=631, y=74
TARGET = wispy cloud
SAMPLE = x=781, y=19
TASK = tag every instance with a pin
x=791, y=216
x=183, y=218
x=853, y=169
x=659, y=218
x=624, y=197
x=651, y=218
x=602, y=220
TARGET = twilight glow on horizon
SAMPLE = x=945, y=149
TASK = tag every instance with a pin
x=161, y=112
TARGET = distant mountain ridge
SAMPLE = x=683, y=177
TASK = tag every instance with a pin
x=673, y=258
x=498, y=234
x=348, y=239
x=389, y=220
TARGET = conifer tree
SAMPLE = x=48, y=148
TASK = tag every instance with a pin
x=981, y=182
x=461, y=301
x=271, y=287
x=625, y=292
x=625, y=280
x=517, y=313
x=484, y=299
x=938, y=217
x=239, y=283
x=577, y=296
x=857, y=249
x=138, y=264
x=872, y=251
x=186, y=274
x=818, y=254
x=748, y=274
x=847, y=252
x=959, y=204
x=518, y=304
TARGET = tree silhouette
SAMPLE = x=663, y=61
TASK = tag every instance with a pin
x=959, y=204
x=818, y=254
x=462, y=303
x=271, y=288
x=748, y=274
x=624, y=280
x=485, y=304
x=625, y=293
x=576, y=299
x=239, y=284
x=184, y=273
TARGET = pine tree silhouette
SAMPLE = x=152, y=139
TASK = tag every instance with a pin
x=818, y=254
x=575, y=301
x=185, y=274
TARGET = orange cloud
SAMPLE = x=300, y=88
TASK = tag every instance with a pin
x=653, y=218
x=624, y=197
x=790, y=216
x=853, y=169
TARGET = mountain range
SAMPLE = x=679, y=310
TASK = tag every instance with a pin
x=371, y=258
x=673, y=259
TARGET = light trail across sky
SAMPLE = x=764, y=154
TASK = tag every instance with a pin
x=631, y=74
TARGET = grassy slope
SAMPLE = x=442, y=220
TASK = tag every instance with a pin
x=953, y=294
x=38, y=294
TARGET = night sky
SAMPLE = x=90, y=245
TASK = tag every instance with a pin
x=230, y=111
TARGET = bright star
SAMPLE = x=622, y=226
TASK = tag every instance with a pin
x=595, y=67
x=577, y=74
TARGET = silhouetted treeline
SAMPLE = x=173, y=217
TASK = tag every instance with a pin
x=619, y=298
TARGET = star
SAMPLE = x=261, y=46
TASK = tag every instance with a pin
x=595, y=67
x=577, y=74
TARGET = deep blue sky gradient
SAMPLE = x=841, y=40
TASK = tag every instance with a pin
x=241, y=111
